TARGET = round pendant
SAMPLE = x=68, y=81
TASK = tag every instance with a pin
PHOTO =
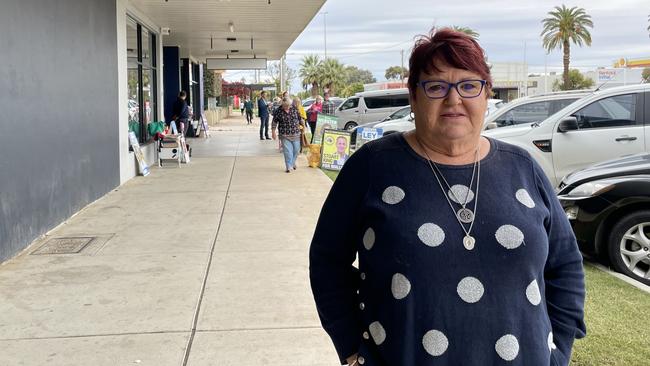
x=465, y=215
x=468, y=242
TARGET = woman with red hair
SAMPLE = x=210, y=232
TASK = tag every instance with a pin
x=465, y=256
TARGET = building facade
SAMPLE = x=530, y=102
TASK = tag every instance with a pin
x=78, y=75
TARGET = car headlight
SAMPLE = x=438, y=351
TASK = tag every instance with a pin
x=590, y=189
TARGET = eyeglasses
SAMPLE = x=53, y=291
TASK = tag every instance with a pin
x=438, y=89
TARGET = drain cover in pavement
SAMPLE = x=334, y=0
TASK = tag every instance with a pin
x=63, y=245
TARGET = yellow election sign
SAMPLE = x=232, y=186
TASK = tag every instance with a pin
x=336, y=149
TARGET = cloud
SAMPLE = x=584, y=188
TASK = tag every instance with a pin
x=371, y=33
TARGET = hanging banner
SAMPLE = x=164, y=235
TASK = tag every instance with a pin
x=139, y=156
x=323, y=122
x=336, y=149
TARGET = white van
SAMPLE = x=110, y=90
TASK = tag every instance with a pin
x=604, y=125
x=370, y=106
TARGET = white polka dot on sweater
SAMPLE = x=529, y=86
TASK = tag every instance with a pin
x=460, y=194
x=524, y=198
x=369, y=238
x=400, y=286
x=393, y=195
x=377, y=332
x=532, y=293
x=431, y=234
x=435, y=342
x=507, y=347
x=509, y=236
x=470, y=289
x=551, y=344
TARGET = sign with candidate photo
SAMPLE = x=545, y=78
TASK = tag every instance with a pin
x=335, y=150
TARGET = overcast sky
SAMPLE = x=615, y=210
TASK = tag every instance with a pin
x=371, y=33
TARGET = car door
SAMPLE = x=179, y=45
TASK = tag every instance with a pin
x=379, y=107
x=348, y=111
x=608, y=128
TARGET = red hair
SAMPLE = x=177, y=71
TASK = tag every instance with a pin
x=454, y=48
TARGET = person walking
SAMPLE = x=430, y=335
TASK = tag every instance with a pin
x=248, y=106
x=287, y=121
x=263, y=110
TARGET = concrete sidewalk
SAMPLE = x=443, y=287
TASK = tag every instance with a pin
x=206, y=264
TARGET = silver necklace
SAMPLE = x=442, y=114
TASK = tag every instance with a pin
x=468, y=241
x=464, y=214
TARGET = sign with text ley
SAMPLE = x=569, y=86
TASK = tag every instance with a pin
x=366, y=134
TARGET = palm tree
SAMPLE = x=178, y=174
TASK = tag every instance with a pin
x=563, y=27
x=310, y=73
x=469, y=31
x=332, y=75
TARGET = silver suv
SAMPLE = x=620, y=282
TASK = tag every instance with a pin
x=535, y=108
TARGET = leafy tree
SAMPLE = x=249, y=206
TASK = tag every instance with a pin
x=332, y=75
x=209, y=85
x=310, y=73
x=357, y=75
x=273, y=71
x=563, y=27
x=645, y=75
x=396, y=72
x=351, y=89
x=469, y=31
x=576, y=81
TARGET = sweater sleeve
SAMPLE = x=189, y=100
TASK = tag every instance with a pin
x=563, y=275
x=334, y=279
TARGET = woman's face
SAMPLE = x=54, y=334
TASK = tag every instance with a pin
x=451, y=117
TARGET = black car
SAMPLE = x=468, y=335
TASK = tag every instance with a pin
x=608, y=205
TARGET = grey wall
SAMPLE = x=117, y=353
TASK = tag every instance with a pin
x=58, y=113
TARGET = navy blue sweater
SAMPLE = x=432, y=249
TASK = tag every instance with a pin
x=418, y=296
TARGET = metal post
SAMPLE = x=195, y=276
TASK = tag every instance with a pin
x=325, y=31
x=401, y=73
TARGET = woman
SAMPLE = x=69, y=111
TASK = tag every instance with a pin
x=287, y=121
x=314, y=110
x=465, y=255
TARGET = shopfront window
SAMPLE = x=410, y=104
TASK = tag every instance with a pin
x=141, y=78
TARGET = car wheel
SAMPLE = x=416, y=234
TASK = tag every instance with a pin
x=629, y=246
x=350, y=125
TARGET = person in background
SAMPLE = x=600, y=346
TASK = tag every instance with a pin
x=241, y=106
x=297, y=103
x=328, y=105
x=181, y=112
x=248, y=106
x=263, y=111
x=312, y=114
x=287, y=122
x=450, y=271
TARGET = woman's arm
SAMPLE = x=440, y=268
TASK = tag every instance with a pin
x=563, y=275
x=334, y=279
